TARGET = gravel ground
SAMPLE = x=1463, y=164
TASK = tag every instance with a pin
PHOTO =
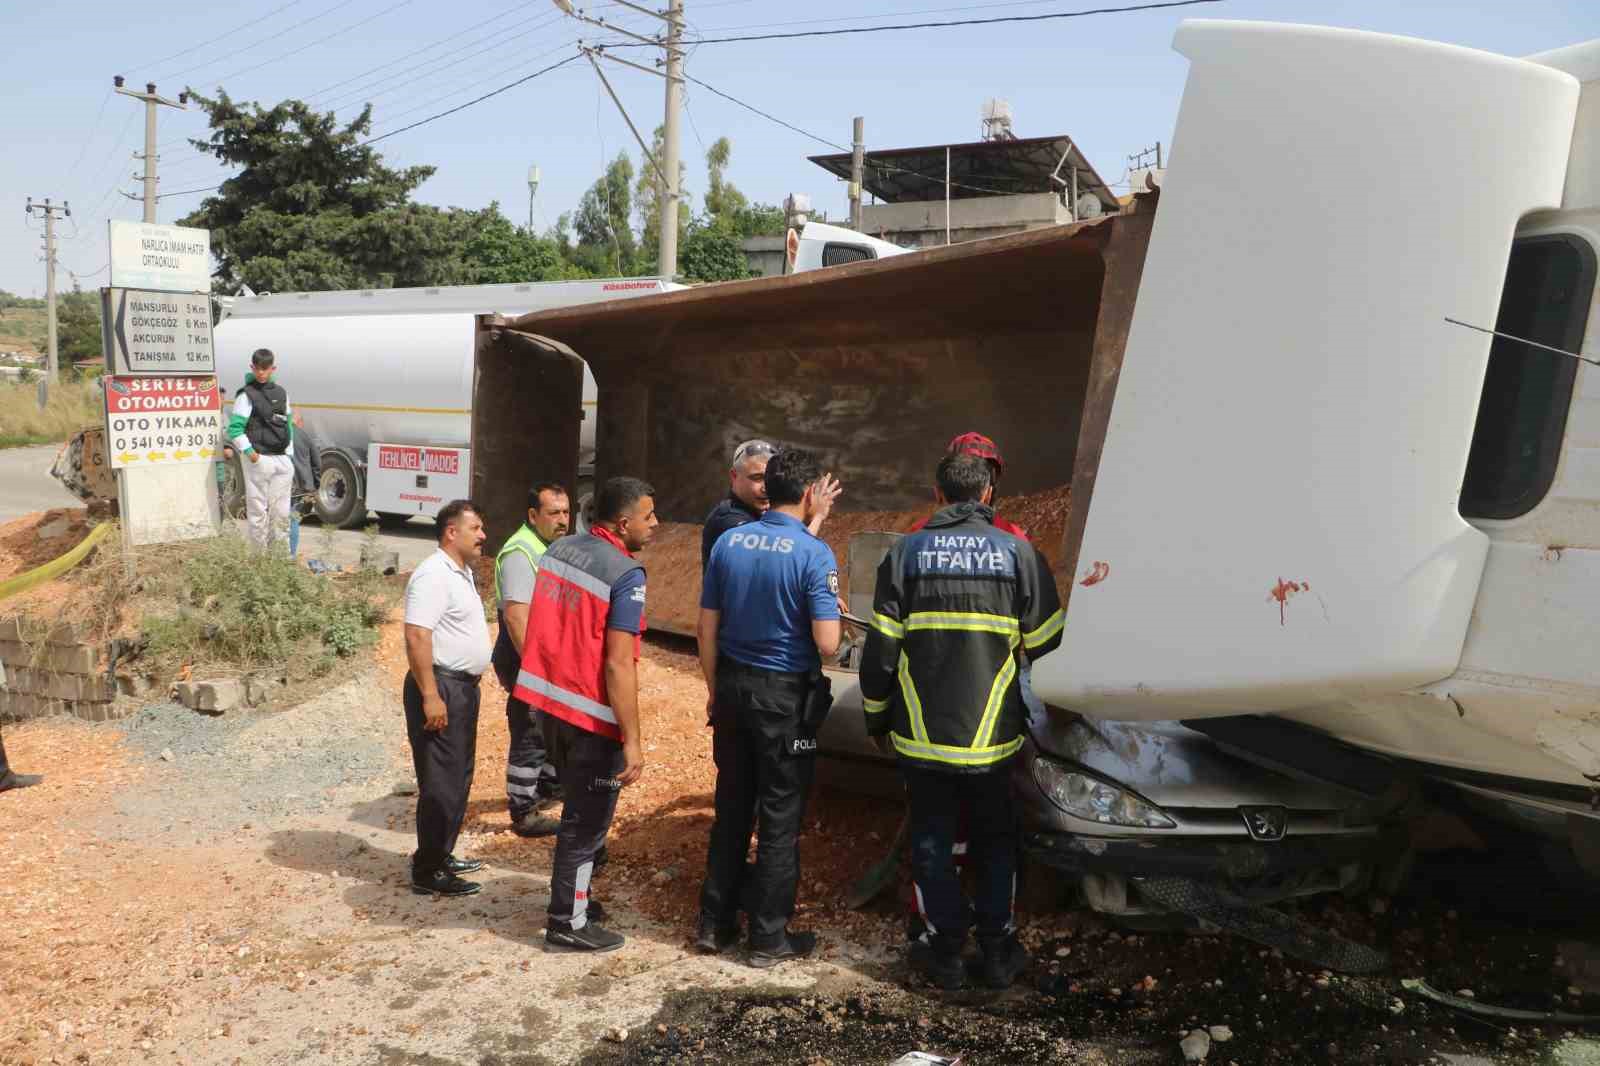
x=269, y=765
x=245, y=902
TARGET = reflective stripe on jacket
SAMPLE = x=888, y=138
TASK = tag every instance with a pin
x=564, y=656
x=957, y=605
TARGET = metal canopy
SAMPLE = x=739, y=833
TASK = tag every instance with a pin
x=981, y=168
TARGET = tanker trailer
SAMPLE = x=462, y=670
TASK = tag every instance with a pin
x=383, y=379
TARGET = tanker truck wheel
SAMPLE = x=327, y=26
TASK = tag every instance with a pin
x=339, y=502
x=232, y=488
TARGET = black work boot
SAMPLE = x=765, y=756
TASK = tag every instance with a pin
x=592, y=938
x=462, y=866
x=441, y=883
x=794, y=945
x=534, y=824
x=713, y=937
x=938, y=958
x=1004, y=959
x=9, y=778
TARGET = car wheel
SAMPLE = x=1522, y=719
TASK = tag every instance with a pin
x=339, y=502
x=231, y=488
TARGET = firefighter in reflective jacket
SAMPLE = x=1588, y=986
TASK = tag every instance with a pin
x=959, y=607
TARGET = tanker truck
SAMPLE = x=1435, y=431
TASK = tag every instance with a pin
x=1319, y=508
x=383, y=379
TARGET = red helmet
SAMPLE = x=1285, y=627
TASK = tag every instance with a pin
x=978, y=445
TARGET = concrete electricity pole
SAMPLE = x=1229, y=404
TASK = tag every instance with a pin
x=669, y=147
x=533, y=190
x=858, y=157
x=667, y=166
x=151, y=102
x=49, y=211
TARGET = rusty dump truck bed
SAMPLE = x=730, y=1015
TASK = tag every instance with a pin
x=872, y=365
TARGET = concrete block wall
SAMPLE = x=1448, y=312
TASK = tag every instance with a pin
x=53, y=670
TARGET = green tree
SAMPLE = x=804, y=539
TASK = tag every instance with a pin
x=498, y=251
x=606, y=243
x=710, y=254
x=647, y=202
x=78, y=328
x=723, y=201
x=311, y=208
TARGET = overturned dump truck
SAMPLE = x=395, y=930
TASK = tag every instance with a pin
x=1317, y=510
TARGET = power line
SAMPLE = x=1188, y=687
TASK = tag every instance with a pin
x=222, y=36
x=419, y=51
x=319, y=41
x=340, y=6
x=94, y=128
x=422, y=122
x=765, y=115
x=884, y=14
x=477, y=100
x=941, y=25
x=871, y=164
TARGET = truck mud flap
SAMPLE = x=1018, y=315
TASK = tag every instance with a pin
x=1226, y=912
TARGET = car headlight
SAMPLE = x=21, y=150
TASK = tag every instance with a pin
x=1095, y=800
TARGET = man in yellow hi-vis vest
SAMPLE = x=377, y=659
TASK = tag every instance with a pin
x=531, y=783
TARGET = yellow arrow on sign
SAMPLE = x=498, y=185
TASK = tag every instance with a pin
x=204, y=453
x=127, y=457
x=156, y=457
x=181, y=455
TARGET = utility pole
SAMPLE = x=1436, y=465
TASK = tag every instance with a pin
x=858, y=160
x=533, y=190
x=151, y=102
x=49, y=211
x=667, y=166
x=669, y=147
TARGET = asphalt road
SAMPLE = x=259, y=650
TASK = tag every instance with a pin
x=26, y=486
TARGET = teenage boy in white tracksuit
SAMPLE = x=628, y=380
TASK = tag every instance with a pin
x=262, y=432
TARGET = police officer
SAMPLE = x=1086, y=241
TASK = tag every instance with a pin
x=747, y=496
x=768, y=614
x=580, y=667
x=531, y=783
x=447, y=650
x=959, y=607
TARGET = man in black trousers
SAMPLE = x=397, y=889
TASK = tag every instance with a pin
x=769, y=613
x=9, y=778
x=447, y=649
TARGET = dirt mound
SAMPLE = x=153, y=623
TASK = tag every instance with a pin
x=673, y=558
x=37, y=538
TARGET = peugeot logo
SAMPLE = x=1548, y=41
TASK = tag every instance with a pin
x=1265, y=823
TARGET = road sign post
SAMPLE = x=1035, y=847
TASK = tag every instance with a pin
x=163, y=424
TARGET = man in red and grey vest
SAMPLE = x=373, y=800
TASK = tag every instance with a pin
x=580, y=667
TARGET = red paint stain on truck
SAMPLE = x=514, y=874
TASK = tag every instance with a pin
x=1282, y=591
x=1095, y=574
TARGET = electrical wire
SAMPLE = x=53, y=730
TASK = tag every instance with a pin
x=940, y=25
x=340, y=6
x=94, y=128
x=870, y=164
x=423, y=122
x=319, y=41
x=223, y=36
x=882, y=15
x=419, y=51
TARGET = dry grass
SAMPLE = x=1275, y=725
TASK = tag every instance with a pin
x=21, y=328
x=73, y=405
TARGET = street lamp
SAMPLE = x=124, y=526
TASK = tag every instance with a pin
x=533, y=189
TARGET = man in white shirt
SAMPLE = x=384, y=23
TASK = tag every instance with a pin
x=447, y=650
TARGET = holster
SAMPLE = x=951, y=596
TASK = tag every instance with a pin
x=819, y=701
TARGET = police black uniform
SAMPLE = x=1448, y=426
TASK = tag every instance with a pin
x=769, y=580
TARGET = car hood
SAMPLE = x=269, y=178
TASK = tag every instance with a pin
x=1172, y=766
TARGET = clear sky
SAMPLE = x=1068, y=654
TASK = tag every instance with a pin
x=1111, y=82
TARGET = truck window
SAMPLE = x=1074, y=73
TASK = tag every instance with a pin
x=840, y=254
x=1527, y=392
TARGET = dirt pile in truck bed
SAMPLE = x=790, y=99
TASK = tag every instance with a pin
x=673, y=558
